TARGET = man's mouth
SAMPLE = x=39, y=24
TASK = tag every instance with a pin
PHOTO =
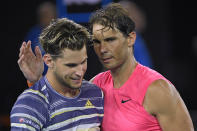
x=76, y=80
x=106, y=60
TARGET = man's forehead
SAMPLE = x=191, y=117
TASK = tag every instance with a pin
x=99, y=29
x=73, y=57
x=73, y=52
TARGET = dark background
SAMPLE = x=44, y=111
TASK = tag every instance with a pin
x=171, y=27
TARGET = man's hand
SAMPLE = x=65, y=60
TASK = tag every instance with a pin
x=94, y=129
x=31, y=65
x=90, y=129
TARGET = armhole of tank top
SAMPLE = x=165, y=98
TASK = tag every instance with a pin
x=146, y=88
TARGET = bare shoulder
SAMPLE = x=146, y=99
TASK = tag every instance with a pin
x=163, y=101
x=160, y=94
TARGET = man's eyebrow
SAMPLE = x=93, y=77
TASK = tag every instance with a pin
x=111, y=38
x=75, y=64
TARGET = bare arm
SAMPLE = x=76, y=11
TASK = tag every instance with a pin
x=163, y=101
x=31, y=65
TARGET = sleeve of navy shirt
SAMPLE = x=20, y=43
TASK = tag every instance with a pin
x=30, y=112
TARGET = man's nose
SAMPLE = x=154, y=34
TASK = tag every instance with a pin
x=79, y=70
x=103, y=47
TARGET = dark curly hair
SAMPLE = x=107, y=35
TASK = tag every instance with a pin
x=113, y=16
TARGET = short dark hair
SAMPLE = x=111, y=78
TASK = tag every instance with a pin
x=113, y=16
x=63, y=33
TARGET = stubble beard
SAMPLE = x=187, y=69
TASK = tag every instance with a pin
x=64, y=83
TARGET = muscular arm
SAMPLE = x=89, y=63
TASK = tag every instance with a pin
x=164, y=102
x=31, y=65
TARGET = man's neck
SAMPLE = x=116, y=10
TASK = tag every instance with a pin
x=70, y=93
x=121, y=74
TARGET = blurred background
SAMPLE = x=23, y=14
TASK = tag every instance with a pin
x=167, y=34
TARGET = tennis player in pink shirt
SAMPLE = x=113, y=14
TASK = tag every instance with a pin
x=137, y=98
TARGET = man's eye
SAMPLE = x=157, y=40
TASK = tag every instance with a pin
x=110, y=39
x=96, y=41
x=71, y=65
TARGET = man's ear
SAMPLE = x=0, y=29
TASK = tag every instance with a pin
x=131, y=39
x=48, y=60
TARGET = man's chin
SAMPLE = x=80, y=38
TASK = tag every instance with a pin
x=108, y=67
x=75, y=86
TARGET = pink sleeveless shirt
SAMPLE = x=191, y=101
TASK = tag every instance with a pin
x=123, y=109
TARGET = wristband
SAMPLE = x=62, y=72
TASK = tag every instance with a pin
x=29, y=83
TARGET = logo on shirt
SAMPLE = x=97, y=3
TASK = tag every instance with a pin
x=28, y=122
x=21, y=120
x=88, y=103
x=124, y=101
